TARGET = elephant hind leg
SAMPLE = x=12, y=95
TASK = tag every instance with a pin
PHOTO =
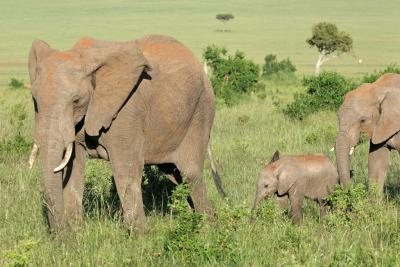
x=199, y=199
x=174, y=175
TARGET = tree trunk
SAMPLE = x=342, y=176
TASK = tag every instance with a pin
x=319, y=63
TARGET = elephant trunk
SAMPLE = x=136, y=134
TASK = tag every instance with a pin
x=257, y=200
x=342, y=159
x=56, y=146
x=52, y=153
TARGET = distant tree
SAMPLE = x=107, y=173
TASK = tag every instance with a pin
x=224, y=18
x=329, y=41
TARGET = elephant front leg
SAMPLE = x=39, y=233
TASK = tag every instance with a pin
x=378, y=162
x=128, y=180
x=296, y=202
x=282, y=201
x=73, y=185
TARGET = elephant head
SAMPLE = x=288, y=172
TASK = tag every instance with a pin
x=373, y=108
x=83, y=87
x=267, y=184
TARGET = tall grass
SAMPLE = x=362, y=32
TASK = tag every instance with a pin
x=244, y=138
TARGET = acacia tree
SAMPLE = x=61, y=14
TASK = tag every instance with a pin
x=224, y=18
x=329, y=41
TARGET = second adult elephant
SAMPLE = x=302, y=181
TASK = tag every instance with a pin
x=133, y=103
x=375, y=109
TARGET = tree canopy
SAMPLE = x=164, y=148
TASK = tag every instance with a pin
x=329, y=41
x=224, y=17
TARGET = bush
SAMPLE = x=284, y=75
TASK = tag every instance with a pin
x=232, y=75
x=353, y=206
x=182, y=239
x=324, y=92
x=100, y=196
x=282, y=70
x=370, y=78
x=16, y=84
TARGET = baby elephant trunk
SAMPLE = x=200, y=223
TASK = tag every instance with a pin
x=257, y=201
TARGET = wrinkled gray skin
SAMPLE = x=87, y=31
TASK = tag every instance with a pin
x=373, y=108
x=297, y=177
x=133, y=103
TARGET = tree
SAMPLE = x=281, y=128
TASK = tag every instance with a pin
x=329, y=41
x=224, y=18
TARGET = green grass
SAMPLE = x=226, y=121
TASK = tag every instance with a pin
x=259, y=28
x=244, y=137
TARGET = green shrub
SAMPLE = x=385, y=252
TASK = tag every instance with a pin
x=16, y=84
x=21, y=255
x=182, y=238
x=274, y=70
x=17, y=145
x=100, y=196
x=323, y=92
x=353, y=206
x=370, y=78
x=232, y=75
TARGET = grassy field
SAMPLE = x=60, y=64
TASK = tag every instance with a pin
x=244, y=138
x=259, y=28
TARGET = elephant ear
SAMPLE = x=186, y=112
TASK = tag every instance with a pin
x=389, y=119
x=275, y=157
x=285, y=182
x=116, y=68
x=38, y=50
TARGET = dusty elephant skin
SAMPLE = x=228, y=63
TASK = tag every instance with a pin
x=373, y=108
x=297, y=177
x=133, y=103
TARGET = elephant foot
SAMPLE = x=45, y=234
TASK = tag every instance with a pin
x=136, y=226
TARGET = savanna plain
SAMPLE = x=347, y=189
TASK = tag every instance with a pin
x=364, y=231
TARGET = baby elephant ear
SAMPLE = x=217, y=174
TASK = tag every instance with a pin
x=285, y=182
x=275, y=157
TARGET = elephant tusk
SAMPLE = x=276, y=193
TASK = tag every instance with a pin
x=33, y=155
x=350, y=152
x=66, y=158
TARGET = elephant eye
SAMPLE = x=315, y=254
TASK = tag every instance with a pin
x=265, y=186
x=363, y=120
x=75, y=99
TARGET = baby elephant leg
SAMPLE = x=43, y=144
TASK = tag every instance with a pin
x=282, y=201
x=296, y=201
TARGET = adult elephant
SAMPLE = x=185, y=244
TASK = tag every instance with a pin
x=375, y=109
x=140, y=102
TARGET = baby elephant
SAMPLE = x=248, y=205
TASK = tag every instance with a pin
x=296, y=177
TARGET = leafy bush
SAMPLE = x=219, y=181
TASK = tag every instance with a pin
x=282, y=70
x=16, y=145
x=370, y=78
x=16, y=84
x=100, y=195
x=187, y=239
x=182, y=239
x=232, y=75
x=353, y=205
x=21, y=255
x=323, y=92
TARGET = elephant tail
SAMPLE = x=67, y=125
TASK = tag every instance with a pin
x=214, y=172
